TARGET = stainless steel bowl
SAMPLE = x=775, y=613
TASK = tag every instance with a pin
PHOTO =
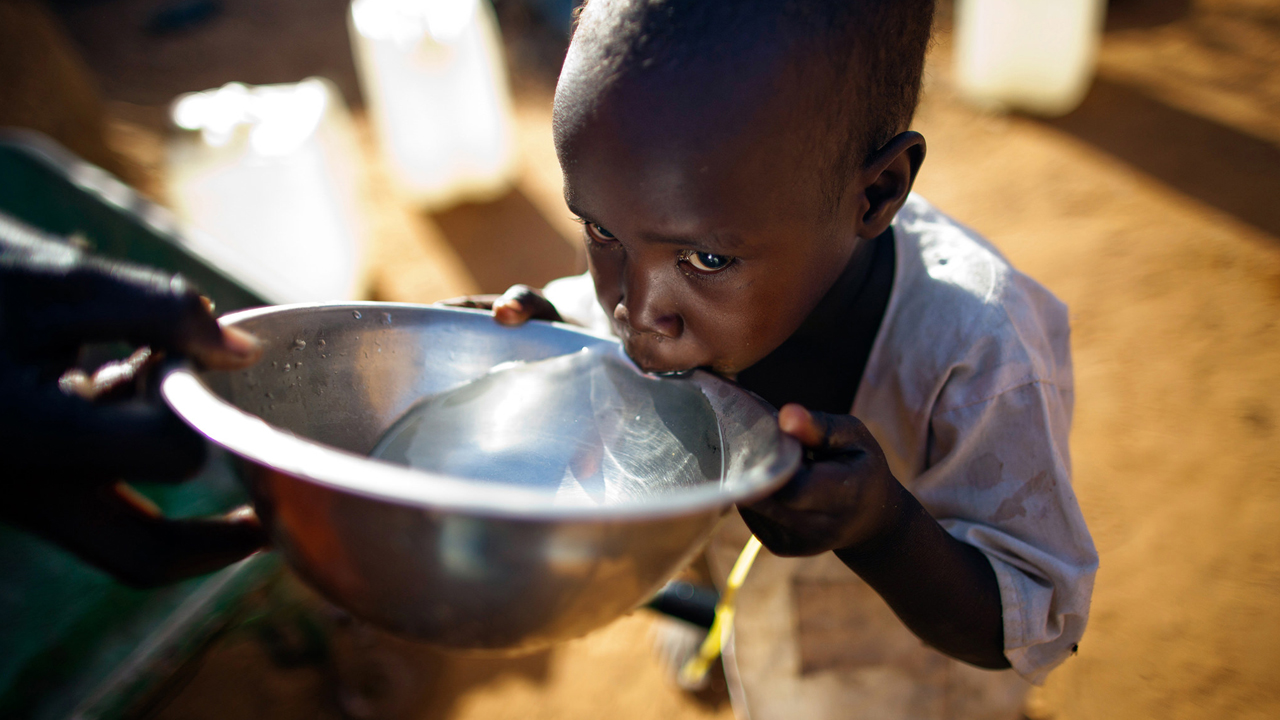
x=456, y=562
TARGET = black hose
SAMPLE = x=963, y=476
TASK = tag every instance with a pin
x=694, y=604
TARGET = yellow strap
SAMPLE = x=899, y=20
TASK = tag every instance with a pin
x=696, y=667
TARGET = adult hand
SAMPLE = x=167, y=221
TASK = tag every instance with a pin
x=516, y=306
x=71, y=436
x=841, y=497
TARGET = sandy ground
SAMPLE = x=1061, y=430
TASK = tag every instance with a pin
x=1153, y=211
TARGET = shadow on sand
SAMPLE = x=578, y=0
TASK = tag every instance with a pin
x=1230, y=170
x=508, y=241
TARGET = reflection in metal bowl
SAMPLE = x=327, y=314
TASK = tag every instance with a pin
x=467, y=557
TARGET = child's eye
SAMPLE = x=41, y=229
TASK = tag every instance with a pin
x=706, y=262
x=598, y=233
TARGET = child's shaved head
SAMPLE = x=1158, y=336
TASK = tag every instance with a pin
x=728, y=157
x=856, y=64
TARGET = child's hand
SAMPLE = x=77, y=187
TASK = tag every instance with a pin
x=516, y=306
x=845, y=499
x=843, y=495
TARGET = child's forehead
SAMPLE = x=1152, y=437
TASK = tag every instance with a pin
x=697, y=104
x=698, y=81
x=691, y=138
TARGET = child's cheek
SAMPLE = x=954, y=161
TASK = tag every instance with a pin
x=606, y=268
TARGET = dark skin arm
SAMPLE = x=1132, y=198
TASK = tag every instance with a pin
x=72, y=436
x=846, y=500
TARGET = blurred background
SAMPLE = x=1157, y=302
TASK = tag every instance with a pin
x=400, y=150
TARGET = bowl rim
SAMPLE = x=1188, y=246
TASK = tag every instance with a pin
x=255, y=440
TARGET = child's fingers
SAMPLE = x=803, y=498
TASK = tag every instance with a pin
x=522, y=303
x=763, y=521
x=510, y=311
x=823, y=431
x=475, y=302
x=773, y=525
x=825, y=487
x=800, y=424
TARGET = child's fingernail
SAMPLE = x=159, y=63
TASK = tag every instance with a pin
x=784, y=417
x=508, y=311
x=241, y=343
x=797, y=421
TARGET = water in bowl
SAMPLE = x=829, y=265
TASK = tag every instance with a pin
x=588, y=427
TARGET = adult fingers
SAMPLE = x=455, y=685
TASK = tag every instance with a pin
x=522, y=303
x=112, y=380
x=111, y=529
x=236, y=349
x=65, y=437
x=55, y=306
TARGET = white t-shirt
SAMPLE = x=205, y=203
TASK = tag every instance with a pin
x=969, y=391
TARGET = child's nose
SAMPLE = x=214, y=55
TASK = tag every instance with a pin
x=645, y=305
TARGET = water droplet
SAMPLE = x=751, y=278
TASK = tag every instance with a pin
x=366, y=353
x=270, y=396
x=321, y=343
x=386, y=318
x=379, y=349
x=299, y=363
x=355, y=314
x=275, y=364
x=299, y=344
x=272, y=406
x=287, y=367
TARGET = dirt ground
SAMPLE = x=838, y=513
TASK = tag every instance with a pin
x=1153, y=211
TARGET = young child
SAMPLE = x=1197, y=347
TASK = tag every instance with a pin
x=742, y=170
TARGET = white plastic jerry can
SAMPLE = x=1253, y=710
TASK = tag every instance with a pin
x=267, y=182
x=435, y=83
x=1037, y=56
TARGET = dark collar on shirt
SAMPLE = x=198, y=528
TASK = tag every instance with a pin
x=821, y=364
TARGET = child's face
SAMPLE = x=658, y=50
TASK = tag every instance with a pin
x=707, y=233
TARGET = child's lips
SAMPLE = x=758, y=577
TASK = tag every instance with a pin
x=654, y=356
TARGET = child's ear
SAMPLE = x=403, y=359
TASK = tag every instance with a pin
x=888, y=176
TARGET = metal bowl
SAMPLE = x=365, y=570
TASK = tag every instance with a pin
x=457, y=562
